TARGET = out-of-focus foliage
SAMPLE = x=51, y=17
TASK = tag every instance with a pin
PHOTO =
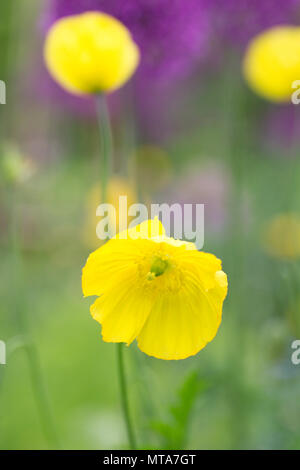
x=212, y=141
x=175, y=430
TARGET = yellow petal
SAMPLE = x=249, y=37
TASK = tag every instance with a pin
x=161, y=291
x=90, y=53
x=114, y=262
x=182, y=323
x=111, y=265
x=150, y=229
x=200, y=265
x=272, y=62
x=122, y=315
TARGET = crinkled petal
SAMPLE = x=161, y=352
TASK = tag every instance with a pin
x=150, y=229
x=182, y=323
x=111, y=265
x=122, y=313
x=202, y=266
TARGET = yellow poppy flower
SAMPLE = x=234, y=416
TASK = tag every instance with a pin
x=281, y=236
x=117, y=186
x=272, y=62
x=90, y=53
x=158, y=290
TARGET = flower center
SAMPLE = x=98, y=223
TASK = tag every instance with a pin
x=158, y=267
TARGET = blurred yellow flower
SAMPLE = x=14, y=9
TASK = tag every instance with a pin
x=158, y=290
x=90, y=53
x=281, y=236
x=117, y=187
x=272, y=62
x=293, y=315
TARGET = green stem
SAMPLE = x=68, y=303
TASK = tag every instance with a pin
x=41, y=396
x=106, y=160
x=105, y=143
x=37, y=380
x=124, y=397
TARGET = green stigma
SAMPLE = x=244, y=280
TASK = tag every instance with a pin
x=157, y=268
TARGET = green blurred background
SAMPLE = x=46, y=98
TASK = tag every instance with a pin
x=220, y=147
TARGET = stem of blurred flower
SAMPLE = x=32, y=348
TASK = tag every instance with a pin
x=124, y=397
x=105, y=143
x=37, y=380
x=237, y=128
x=290, y=200
x=106, y=160
x=131, y=131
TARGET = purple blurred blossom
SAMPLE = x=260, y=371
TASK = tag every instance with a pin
x=207, y=184
x=240, y=20
x=172, y=34
x=174, y=37
x=280, y=129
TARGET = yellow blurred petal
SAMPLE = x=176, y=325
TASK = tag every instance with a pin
x=90, y=53
x=272, y=62
x=117, y=186
x=281, y=236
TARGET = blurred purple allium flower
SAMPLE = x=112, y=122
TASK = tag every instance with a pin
x=207, y=184
x=174, y=37
x=172, y=34
x=239, y=20
x=280, y=129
